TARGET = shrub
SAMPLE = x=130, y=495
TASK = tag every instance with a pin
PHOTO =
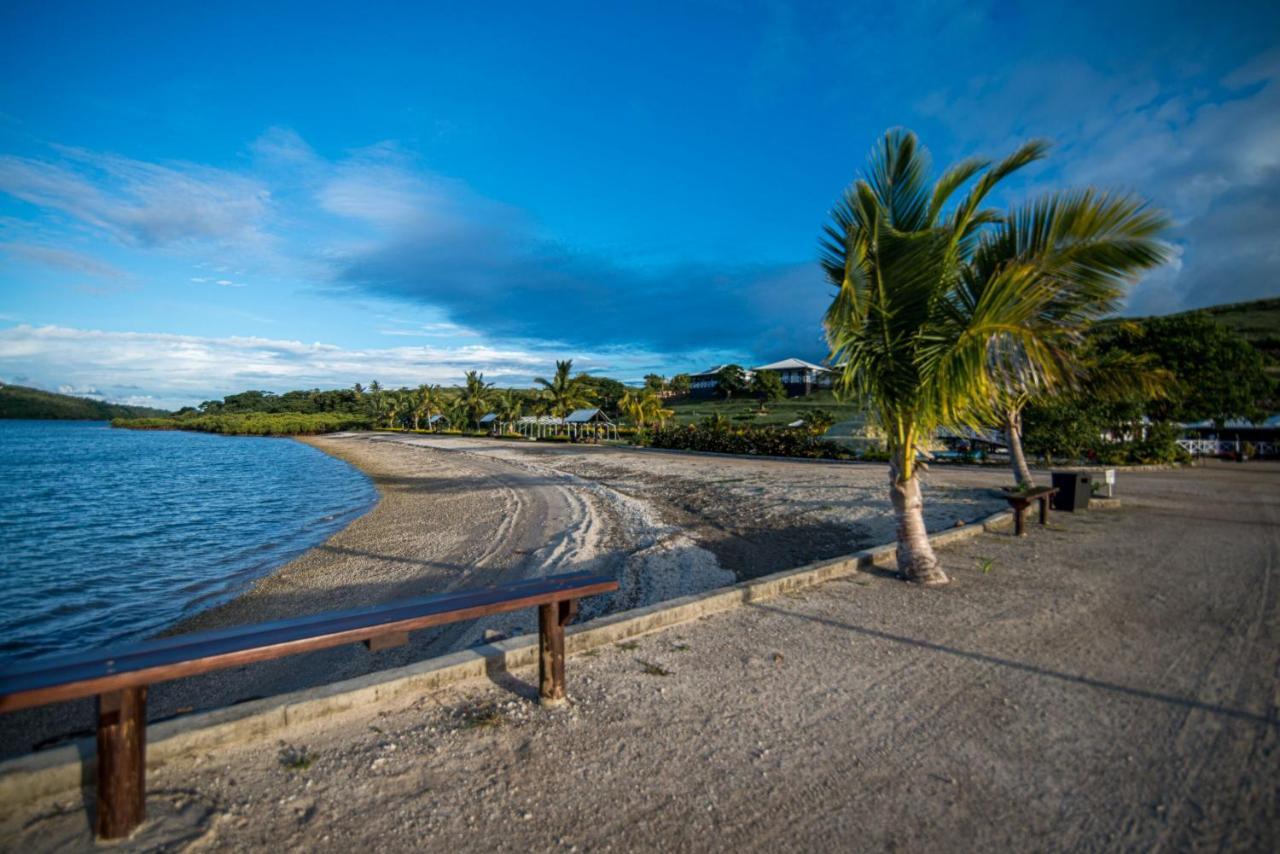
x=760, y=441
x=254, y=423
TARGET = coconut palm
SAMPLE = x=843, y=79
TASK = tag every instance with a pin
x=425, y=403
x=1083, y=249
x=508, y=407
x=393, y=403
x=474, y=397
x=563, y=392
x=920, y=346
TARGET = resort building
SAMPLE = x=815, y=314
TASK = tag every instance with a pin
x=707, y=383
x=800, y=377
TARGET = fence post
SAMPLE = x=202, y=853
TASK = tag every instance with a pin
x=552, y=619
x=122, y=762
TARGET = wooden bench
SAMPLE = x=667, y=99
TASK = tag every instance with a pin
x=119, y=677
x=1019, y=501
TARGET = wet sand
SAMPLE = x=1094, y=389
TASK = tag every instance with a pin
x=457, y=513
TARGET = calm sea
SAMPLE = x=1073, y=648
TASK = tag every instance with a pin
x=110, y=535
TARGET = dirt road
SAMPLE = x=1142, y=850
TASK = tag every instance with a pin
x=1111, y=682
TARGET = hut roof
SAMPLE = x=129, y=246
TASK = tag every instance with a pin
x=585, y=416
x=489, y=418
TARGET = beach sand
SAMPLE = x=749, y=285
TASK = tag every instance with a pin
x=458, y=513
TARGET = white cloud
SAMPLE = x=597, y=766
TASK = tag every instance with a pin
x=63, y=259
x=177, y=370
x=1209, y=154
x=143, y=204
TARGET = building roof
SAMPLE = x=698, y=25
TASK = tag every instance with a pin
x=991, y=437
x=434, y=418
x=1270, y=423
x=491, y=416
x=791, y=365
x=583, y=416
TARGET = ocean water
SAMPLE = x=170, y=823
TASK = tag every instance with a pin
x=112, y=535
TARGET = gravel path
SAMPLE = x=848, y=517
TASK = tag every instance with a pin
x=1111, y=682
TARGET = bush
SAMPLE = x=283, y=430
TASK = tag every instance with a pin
x=254, y=423
x=760, y=441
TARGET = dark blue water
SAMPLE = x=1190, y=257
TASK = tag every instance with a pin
x=110, y=535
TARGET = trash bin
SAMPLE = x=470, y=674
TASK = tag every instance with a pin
x=1074, y=488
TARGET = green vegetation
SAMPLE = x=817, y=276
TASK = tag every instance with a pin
x=1258, y=322
x=943, y=309
x=716, y=436
x=253, y=423
x=22, y=402
x=1217, y=374
x=564, y=392
x=767, y=387
x=779, y=413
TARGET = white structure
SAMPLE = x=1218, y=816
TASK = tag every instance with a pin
x=581, y=424
x=800, y=377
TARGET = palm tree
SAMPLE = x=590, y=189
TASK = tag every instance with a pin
x=921, y=345
x=1085, y=248
x=508, y=407
x=641, y=406
x=562, y=392
x=392, y=403
x=425, y=402
x=475, y=397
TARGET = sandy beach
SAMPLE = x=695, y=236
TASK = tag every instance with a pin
x=1109, y=682
x=457, y=513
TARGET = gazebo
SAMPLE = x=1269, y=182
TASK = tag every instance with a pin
x=590, y=424
x=489, y=421
x=580, y=424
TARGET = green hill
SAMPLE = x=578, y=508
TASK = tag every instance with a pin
x=21, y=402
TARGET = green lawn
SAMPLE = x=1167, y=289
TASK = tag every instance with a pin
x=746, y=411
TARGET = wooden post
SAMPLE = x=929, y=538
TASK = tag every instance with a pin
x=551, y=622
x=1019, y=510
x=1044, y=510
x=122, y=762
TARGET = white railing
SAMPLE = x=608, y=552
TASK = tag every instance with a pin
x=1213, y=447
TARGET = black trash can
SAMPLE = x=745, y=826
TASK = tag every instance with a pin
x=1074, y=488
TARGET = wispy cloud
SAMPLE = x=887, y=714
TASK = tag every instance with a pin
x=143, y=204
x=181, y=369
x=63, y=259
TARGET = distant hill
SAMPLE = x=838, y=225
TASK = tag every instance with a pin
x=21, y=402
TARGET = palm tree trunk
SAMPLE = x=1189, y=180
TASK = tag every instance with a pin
x=1013, y=433
x=916, y=560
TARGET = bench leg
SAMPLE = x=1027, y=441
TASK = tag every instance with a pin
x=122, y=762
x=551, y=622
x=1044, y=510
x=1018, y=513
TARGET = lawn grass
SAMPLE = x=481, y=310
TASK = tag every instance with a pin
x=745, y=411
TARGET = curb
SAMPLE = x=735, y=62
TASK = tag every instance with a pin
x=71, y=766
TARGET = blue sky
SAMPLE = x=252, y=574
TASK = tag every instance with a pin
x=196, y=199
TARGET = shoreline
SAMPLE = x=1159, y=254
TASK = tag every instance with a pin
x=460, y=514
